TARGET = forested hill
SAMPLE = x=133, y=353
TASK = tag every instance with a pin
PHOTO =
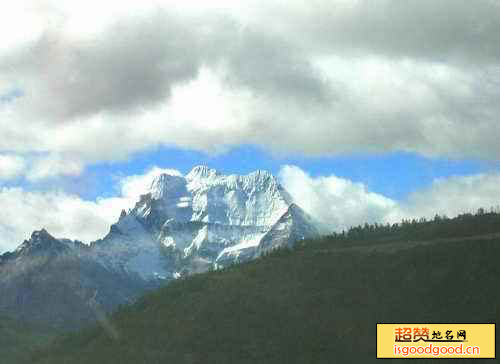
x=18, y=339
x=317, y=303
x=462, y=226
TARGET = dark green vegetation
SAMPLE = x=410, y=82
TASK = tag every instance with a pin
x=463, y=226
x=18, y=339
x=317, y=303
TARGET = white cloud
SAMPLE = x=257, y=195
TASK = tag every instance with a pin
x=20, y=23
x=38, y=167
x=315, y=80
x=454, y=195
x=99, y=81
x=132, y=187
x=339, y=203
x=65, y=215
x=11, y=166
x=53, y=166
x=335, y=202
x=61, y=214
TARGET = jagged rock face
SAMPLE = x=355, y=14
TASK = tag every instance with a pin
x=57, y=282
x=188, y=224
x=42, y=243
x=181, y=225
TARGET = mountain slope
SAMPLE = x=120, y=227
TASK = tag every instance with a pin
x=58, y=283
x=180, y=226
x=316, y=304
x=19, y=339
x=190, y=224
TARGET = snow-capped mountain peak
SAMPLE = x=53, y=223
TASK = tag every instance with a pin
x=181, y=225
x=164, y=185
x=204, y=219
x=200, y=172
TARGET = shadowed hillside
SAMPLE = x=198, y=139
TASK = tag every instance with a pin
x=18, y=339
x=317, y=303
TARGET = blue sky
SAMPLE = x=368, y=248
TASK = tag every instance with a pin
x=394, y=175
x=361, y=111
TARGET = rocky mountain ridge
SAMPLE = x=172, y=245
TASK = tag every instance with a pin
x=181, y=225
x=204, y=220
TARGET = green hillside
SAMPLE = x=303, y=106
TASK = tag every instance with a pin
x=19, y=339
x=318, y=303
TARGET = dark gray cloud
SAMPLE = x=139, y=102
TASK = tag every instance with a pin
x=136, y=62
x=133, y=64
x=441, y=31
x=269, y=65
x=315, y=78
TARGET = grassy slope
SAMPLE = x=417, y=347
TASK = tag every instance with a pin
x=317, y=304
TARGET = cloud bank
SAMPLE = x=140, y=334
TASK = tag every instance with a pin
x=12, y=166
x=339, y=203
x=67, y=215
x=334, y=202
x=100, y=82
x=83, y=83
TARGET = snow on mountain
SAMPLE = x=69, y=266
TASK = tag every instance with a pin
x=183, y=225
x=179, y=226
